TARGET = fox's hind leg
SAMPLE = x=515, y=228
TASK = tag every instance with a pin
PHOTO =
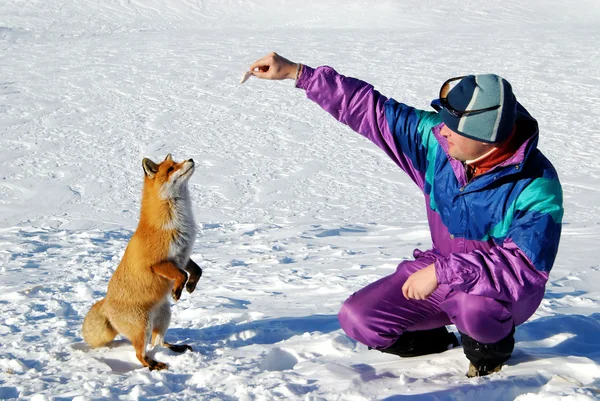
x=137, y=327
x=161, y=317
x=179, y=348
x=140, y=341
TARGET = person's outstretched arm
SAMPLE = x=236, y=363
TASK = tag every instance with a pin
x=401, y=131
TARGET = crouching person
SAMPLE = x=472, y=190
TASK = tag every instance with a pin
x=494, y=206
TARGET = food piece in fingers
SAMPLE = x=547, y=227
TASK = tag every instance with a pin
x=245, y=77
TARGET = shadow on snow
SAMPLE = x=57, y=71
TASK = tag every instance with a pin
x=264, y=331
x=581, y=341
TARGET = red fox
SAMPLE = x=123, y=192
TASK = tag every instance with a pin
x=154, y=264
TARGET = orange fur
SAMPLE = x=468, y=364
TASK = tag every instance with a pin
x=154, y=265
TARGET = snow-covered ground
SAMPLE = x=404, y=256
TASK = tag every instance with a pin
x=295, y=211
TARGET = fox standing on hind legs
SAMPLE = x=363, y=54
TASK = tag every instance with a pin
x=154, y=265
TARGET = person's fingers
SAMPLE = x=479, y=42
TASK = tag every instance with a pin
x=260, y=69
x=273, y=66
x=265, y=61
x=405, y=290
x=266, y=72
x=259, y=74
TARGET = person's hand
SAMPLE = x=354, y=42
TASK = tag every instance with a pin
x=273, y=66
x=420, y=284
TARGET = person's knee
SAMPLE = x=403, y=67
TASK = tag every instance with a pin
x=377, y=314
x=406, y=268
x=351, y=317
x=356, y=322
x=484, y=319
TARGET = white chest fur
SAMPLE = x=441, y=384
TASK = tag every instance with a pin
x=182, y=223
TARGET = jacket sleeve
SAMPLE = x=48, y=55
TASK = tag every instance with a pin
x=401, y=131
x=518, y=267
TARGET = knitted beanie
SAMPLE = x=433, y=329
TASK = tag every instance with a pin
x=475, y=92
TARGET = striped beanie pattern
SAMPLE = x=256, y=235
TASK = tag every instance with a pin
x=475, y=92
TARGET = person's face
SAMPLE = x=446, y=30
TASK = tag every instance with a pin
x=463, y=148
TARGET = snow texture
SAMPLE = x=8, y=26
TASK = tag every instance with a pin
x=295, y=211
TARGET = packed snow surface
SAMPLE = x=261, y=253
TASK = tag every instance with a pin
x=295, y=212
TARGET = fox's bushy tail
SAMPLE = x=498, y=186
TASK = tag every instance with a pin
x=97, y=330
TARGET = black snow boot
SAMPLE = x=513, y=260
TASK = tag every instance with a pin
x=422, y=342
x=487, y=358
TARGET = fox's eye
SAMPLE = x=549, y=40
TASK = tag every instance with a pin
x=170, y=169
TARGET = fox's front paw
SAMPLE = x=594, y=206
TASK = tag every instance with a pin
x=195, y=272
x=177, y=292
x=190, y=286
x=179, y=284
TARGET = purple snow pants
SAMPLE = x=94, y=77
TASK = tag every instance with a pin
x=378, y=314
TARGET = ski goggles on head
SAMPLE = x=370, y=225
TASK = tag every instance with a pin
x=445, y=90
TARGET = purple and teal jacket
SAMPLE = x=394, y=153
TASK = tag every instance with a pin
x=496, y=236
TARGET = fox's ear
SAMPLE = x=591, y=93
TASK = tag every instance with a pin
x=169, y=158
x=150, y=168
